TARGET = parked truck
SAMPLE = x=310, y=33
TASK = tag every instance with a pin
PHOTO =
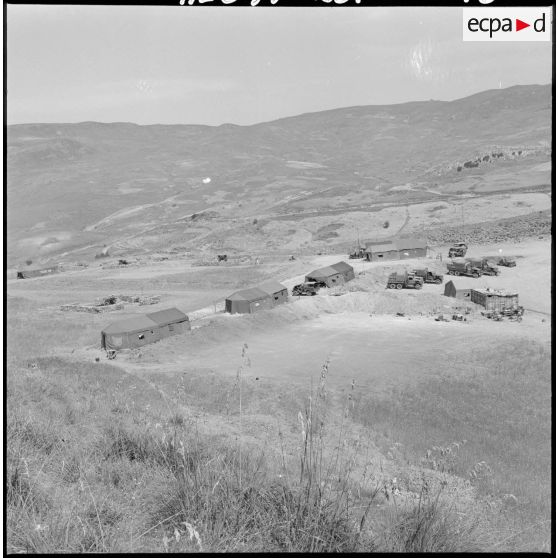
x=458, y=250
x=463, y=268
x=428, y=276
x=310, y=288
x=486, y=267
x=507, y=262
x=404, y=281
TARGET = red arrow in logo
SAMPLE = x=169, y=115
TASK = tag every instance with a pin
x=519, y=25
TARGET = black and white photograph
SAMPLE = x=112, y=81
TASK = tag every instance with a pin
x=279, y=278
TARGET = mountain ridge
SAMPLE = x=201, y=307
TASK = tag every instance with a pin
x=65, y=178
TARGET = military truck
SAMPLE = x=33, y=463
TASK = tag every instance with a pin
x=486, y=267
x=507, y=262
x=310, y=288
x=428, y=276
x=458, y=250
x=464, y=268
x=404, y=281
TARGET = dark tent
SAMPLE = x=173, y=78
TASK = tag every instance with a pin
x=385, y=251
x=345, y=269
x=30, y=273
x=457, y=291
x=332, y=275
x=276, y=291
x=248, y=301
x=143, y=329
x=400, y=249
x=170, y=321
x=131, y=333
x=411, y=248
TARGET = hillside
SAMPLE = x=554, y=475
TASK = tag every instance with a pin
x=291, y=184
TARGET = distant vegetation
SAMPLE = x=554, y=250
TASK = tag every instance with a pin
x=533, y=225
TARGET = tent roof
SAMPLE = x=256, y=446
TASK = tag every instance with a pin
x=131, y=325
x=379, y=242
x=168, y=316
x=249, y=295
x=342, y=266
x=271, y=287
x=469, y=283
x=410, y=243
x=39, y=269
x=327, y=271
x=496, y=292
x=387, y=247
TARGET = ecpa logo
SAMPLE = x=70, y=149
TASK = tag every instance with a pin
x=507, y=24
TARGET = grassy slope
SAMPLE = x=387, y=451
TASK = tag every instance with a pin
x=90, y=466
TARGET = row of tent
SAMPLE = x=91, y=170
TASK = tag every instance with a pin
x=143, y=329
x=272, y=293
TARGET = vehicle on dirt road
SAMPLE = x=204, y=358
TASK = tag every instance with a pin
x=486, y=267
x=357, y=254
x=310, y=288
x=507, y=262
x=464, y=268
x=429, y=276
x=457, y=250
x=404, y=281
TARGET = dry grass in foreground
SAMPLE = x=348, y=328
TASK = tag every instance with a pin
x=89, y=472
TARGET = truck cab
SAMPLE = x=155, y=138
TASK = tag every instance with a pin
x=428, y=276
x=310, y=288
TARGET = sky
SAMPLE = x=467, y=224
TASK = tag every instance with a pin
x=243, y=65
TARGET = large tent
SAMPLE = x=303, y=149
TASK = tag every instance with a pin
x=332, y=275
x=385, y=251
x=276, y=291
x=170, y=321
x=251, y=300
x=400, y=249
x=345, y=269
x=411, y=248
x=30, y=273
x=141, y=330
